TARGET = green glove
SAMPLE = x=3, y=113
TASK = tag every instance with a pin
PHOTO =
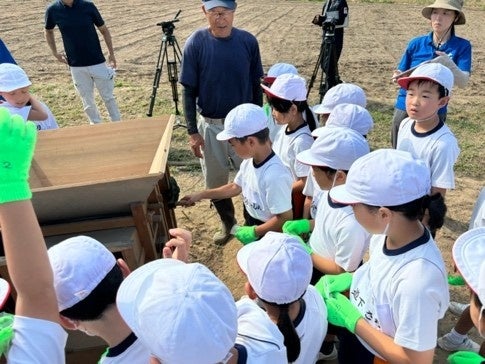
x=456, y=280
x=330, y=284
x=465, y=357
x=341, y=312
x=305, y=246
x=17, y=144
x=246, y=234
x=297, y=227
x=6, y=331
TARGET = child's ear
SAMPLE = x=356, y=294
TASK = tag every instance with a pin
x=444, y=101
x=250, y=291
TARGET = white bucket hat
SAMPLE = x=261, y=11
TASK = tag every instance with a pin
x=385, y=177
x=336, y=147
x=277, y=267
x=243, y=120
x=455, y=5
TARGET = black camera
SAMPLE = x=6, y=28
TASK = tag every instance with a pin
x=325, y=21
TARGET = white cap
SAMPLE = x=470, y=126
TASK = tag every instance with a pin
x=469, y=257
x=287, y=87
x=277, y=70
x=79, y=264
x=243, y=120
x=182, y=312
x=4, y=291
x=385, y=177
x=350, y=116
x=12, y=77
x=336, y=147
x=343, y=93
x=435, y=72
x=277, y=266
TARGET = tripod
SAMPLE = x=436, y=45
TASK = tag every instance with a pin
x=168, y=40
x=327, y=61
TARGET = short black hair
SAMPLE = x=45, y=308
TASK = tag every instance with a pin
x=262, y=136
x=442, y=90
x=101, y=297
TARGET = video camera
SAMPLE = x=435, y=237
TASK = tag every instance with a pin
x=169, y=26
x=334, y=15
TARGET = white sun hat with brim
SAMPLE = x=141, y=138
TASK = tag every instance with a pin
x=243, y=120
x=287, y=86
x=12, y=77
x=455, y=5
x=343, y=93
x=435, y=72
x=350, y=116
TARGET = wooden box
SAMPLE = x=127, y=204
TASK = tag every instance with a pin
x=96, y=171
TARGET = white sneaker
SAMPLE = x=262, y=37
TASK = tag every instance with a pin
x=457, y=308
x=333, y=355
x=445, y=343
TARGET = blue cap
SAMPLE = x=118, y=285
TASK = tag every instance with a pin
x=210, y=4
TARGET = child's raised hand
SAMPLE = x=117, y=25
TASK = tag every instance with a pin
x=178, y=247
x=17, y=146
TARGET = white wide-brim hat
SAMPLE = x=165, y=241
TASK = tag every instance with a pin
x=455, y=5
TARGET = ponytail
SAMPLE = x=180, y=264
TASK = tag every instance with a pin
x=292, y=340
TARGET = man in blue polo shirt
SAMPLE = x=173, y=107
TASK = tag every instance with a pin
x=221, y=69
x=77, y=21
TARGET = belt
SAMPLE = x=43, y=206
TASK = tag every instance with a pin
x=213, y=121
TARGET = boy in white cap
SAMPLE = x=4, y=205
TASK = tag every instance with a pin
x=279, y=271
x=469, y=257
x=87, y=277
x=338, y=242
x=263, y=180
x=350, y=116
x=37, y=335
x=275, y=70
x=343, y=93
x=287, y=97
x=184, y=314
x=14, y=88
x=423, y=134
x=400, y=293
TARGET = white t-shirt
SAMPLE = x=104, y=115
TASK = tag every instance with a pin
x=313, y=190
x=313, y=326
x=403, y=292
x=438, y=148
x=266, y=188
x=288, y=144
x=37, y=341
x=49, y=123
x=337, y=235
x=478, y=214
x=261, y=338
x=130, y=351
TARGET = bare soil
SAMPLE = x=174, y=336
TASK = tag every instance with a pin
x=374, y=41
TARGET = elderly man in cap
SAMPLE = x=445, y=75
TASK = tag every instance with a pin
x=221, y=69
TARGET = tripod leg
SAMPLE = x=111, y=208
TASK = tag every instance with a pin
x=315, y=72
x=158, y=72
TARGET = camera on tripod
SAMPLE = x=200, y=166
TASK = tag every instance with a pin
x=169, y=26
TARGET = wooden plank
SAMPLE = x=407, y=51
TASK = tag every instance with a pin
x=87, y=225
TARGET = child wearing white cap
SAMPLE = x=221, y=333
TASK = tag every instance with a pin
x=423, y=134
x=36, y=335
x=287, y=97
x=87, y=277
x=14, y=87
x=345, y=115
x=184, y=314
x=343, y=93
x=469, y=258
x=279, y=271
x=274, y=71
x=400, y=293
x=337, y=242
x=263, y=180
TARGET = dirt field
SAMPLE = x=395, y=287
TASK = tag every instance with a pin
x=374, y=42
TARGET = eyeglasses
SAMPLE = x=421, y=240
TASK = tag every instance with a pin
x=220, y=14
